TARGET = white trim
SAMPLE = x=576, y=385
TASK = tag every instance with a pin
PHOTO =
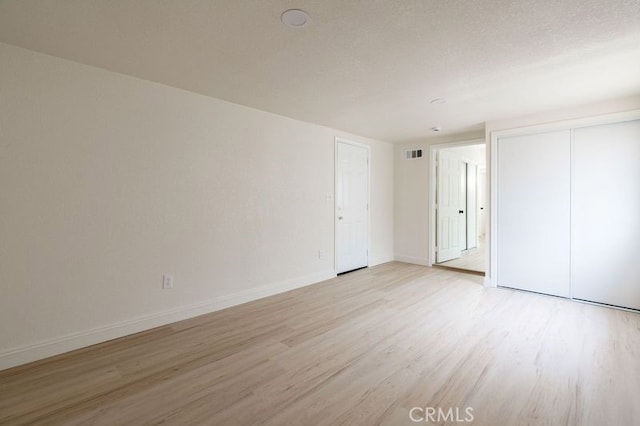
x=374, y=261
x=431, y=255
x=69, y=342
x=571, y=124
x=571, y=208
x=335, y=198
x=604, y=305
x=465, y=142
x=492, y=273
x=412, y=259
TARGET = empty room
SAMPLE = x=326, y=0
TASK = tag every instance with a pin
x=302, y=212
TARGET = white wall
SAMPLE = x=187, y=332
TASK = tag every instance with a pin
x=411, y=233
x=580, y=111
x=109, y=181
x=411, y=195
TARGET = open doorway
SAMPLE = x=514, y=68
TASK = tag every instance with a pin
x=458, y=206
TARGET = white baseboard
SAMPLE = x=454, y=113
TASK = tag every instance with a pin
x=374, y=261
x=488, y=282
x=81, y=339
x=412, y=259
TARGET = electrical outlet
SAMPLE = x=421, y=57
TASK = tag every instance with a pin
x=167, y=282
x=320, y=254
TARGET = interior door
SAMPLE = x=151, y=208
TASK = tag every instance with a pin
x=472, y=206
x=482, y=202
x=352, y=193
x=448, y=206
x=462, y=211
x=605, y=214
x=533, y=217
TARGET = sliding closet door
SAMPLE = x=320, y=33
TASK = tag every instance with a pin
x=533, y=229
x=605, y=214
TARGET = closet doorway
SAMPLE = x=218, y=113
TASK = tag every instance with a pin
x=458, y=206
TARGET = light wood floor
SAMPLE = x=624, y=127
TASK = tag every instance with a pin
x=361, y=349
x=474, y=259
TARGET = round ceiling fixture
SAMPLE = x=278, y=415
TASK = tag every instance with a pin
x=436, y=129
x=438, y=101
x=295, y=17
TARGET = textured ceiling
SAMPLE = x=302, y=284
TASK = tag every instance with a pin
x=368, y=67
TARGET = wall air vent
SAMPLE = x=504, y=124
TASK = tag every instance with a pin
x=413, y=154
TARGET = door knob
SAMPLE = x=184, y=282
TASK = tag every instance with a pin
x=460, y=211
x=339, y=217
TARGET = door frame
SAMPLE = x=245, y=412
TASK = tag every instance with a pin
x=433, y=150
x=338, y=140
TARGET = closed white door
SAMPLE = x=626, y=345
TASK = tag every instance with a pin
x=605, y=215
x=462, y=209
x=472, y=206
x=352, y=194
x=448, y=206
x=533, y=217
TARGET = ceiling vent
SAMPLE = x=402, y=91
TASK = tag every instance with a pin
x=413, y=154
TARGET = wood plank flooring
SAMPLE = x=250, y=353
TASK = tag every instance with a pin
x=474, y=259
x=360, y=349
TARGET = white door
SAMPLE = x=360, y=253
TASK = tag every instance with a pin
x=472, y=206
x=533, y=217
x=352, y=210
x=482, y=202
x=448, y=206
x=605, y=214
x=462, y=211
